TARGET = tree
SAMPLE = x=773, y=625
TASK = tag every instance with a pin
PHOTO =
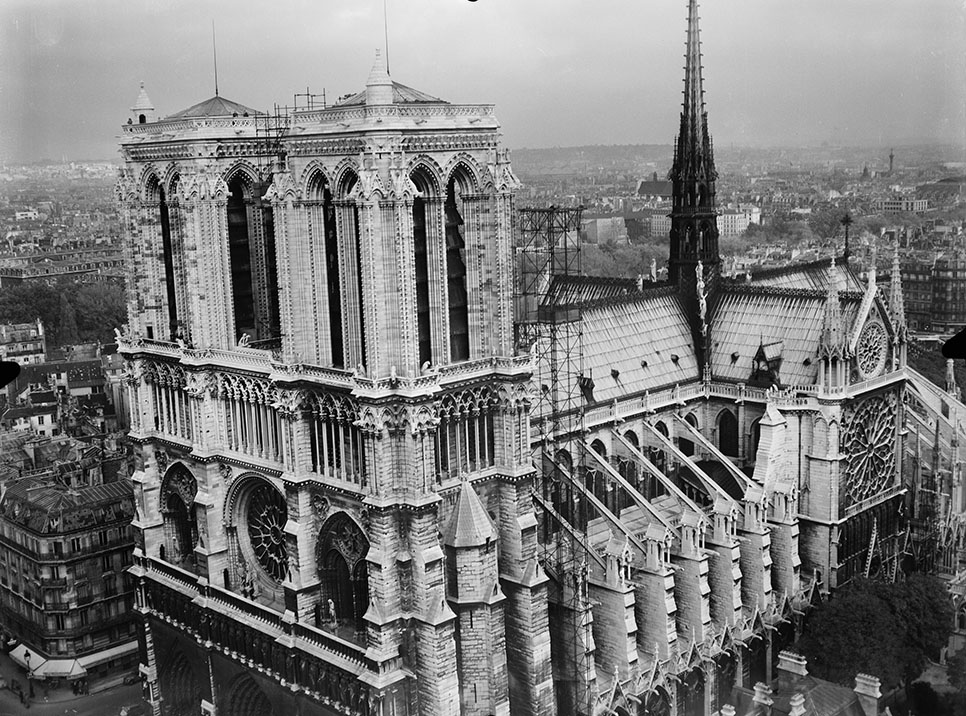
x=853, y=633
x=100, y=308
x=956, y=671
x=67, y=332
x=884, y=629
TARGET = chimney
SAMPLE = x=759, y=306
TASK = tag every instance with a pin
x=796, y=705
x=727, y=710
x=762, y=700
x=867, y=690
x=791, y=671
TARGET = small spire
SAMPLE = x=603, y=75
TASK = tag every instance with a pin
x=832, y=341
x=951, y=386
x=896, y=305
x=379, y=89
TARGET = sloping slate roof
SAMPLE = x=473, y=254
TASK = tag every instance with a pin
x=572, y=290
x=621, y=334
x=401, y=94
x=51, y=507
x=808, y=275
x=649, y=187
x=745, y=317
x=214, y=107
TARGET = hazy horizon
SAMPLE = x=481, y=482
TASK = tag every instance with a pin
x=854, y=74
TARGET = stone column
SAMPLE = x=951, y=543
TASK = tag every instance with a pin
x=755, y=542
x=615, y=625
x=203, y=200
x=724, y=573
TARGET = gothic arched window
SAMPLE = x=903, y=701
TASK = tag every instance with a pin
x=459, y=327
x=685, y=444
x=343, y=573
x=178, y=490
x=728, y=433
x=422, y=218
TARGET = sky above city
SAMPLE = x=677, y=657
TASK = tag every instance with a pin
x=565, y=73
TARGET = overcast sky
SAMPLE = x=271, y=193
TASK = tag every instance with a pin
x=570, y=72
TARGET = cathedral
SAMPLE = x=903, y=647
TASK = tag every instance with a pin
x=369, y=483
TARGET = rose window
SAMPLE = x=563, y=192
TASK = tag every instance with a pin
x=267, y=515
x=871, y=350
x=869, y=443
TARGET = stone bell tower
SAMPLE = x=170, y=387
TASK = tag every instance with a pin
x=331, y=423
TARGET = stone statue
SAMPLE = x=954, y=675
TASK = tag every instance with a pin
x=333, y=617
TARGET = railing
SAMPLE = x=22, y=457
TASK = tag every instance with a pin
x=789, y=397
x=874, y=500
x=339, y=114
x=323, y=665
x=176, y=125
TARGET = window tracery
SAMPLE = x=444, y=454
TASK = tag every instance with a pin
x=871, y=350
x=266, y=515
x=338, y=450
x=869, y=443
x=465, y=440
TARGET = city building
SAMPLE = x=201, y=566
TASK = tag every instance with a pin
x=65, y=542
x=23, y=343
x=734, y=221
x=900, y=205
x=360, y=489
x=935, y=290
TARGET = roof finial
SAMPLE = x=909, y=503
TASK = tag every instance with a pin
x=214, y=53
x=385, y=24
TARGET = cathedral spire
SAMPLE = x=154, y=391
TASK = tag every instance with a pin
x=694, y=231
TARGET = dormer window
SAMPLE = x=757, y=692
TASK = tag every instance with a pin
x=766, y=365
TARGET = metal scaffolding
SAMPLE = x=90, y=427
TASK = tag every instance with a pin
x=550, y=328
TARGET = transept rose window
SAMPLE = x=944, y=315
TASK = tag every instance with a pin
x=869, y=441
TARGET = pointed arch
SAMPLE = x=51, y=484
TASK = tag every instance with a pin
x=314, y=179
x=456, y=257
x=180, y=684
x=727, y=433
x=341, y=550
x=252, y=254
x=427, y=175
x=177, y=497
x=466, y=172
x=346, y=176
x=244, y=697
x=320, y=209
x=685, y=444
x=245, y=172
x=149, y=182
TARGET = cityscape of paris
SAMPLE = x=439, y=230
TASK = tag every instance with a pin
x=481, y=358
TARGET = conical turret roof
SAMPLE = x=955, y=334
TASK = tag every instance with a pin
x=143, y=102
x=469, y=525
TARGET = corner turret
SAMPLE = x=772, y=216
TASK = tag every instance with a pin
x=143, y=110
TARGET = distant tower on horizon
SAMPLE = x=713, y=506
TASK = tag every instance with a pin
x=892, y=157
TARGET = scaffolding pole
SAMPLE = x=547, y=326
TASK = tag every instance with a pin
x=549, y=250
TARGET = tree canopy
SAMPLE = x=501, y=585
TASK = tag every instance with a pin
x=887, y=630
x=71, y=312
